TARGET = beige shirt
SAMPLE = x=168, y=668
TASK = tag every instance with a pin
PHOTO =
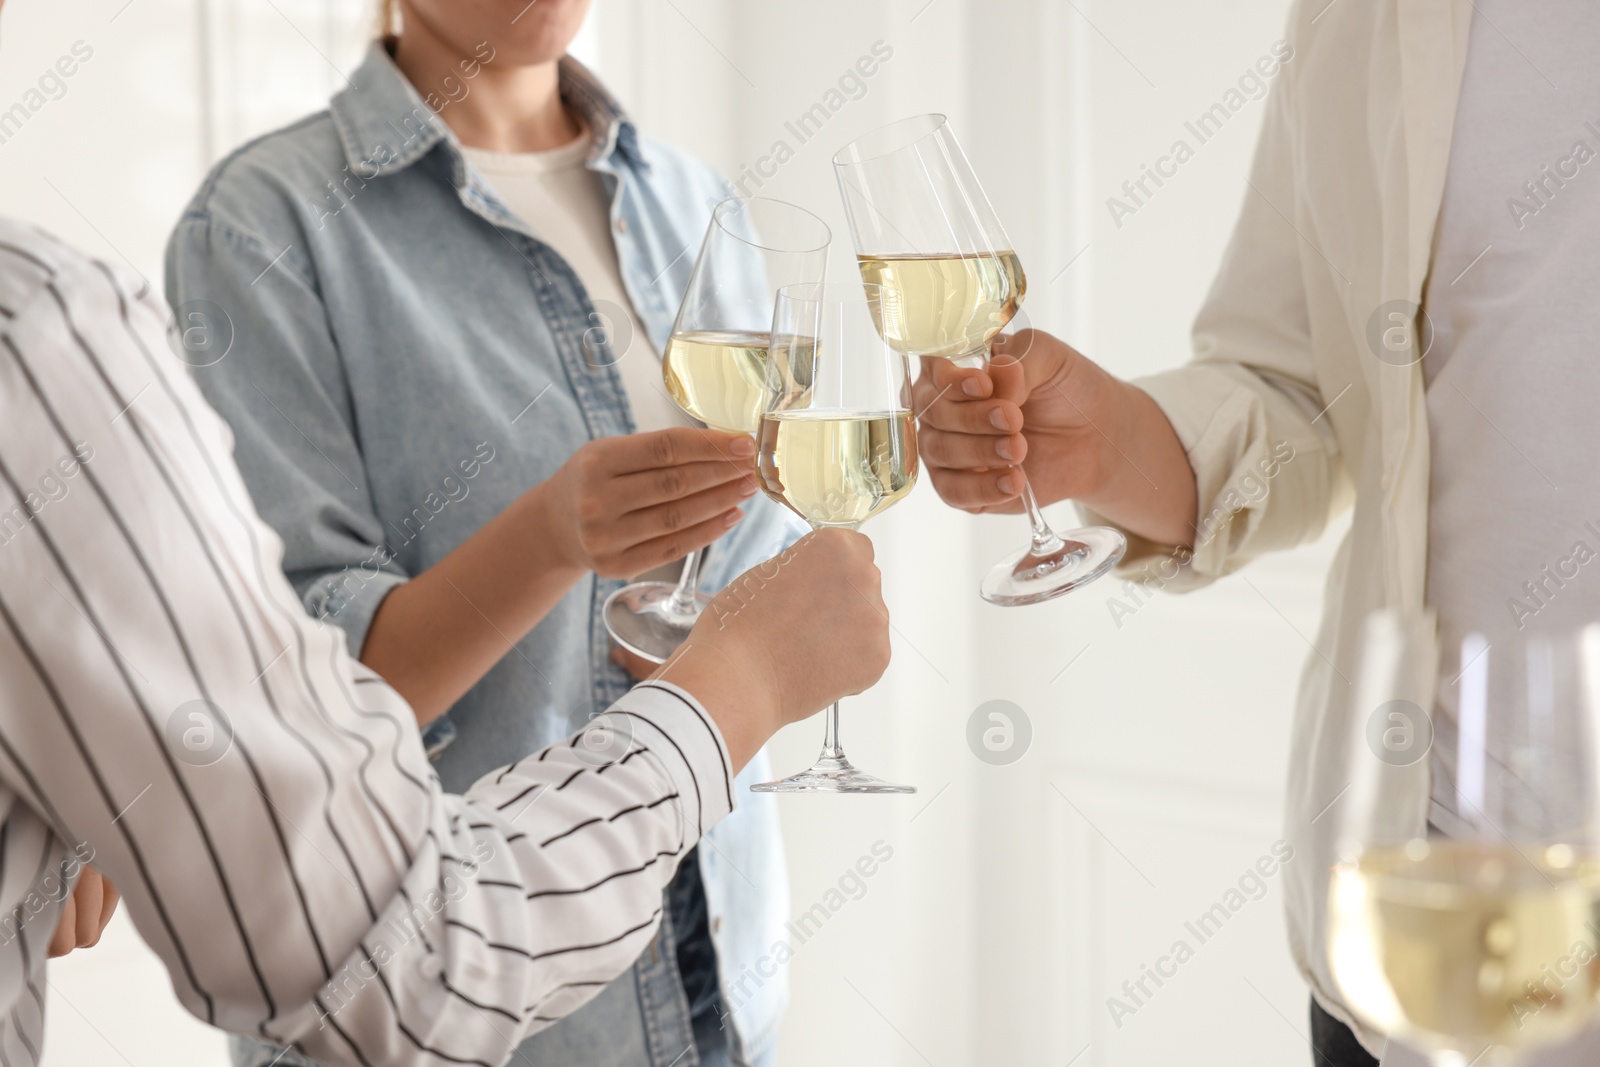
x=1293, y=352
x=566, y=205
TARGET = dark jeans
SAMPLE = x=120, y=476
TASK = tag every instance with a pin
x=697, y=960
x=1333, y=1044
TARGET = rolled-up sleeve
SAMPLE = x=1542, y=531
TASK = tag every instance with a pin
x=1247, y=408
x=281, y=386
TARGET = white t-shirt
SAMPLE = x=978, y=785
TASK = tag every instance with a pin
x=565, y=204
x=1513, y=374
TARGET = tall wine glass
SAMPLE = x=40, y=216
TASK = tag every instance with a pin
x=925, y=231
x=838, y=445
x=1474, y=940
x=715, y=368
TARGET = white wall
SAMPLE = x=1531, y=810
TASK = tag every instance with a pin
x=1019, y=898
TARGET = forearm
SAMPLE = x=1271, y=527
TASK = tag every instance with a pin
x=745, y=711
x=527, y=895
x=1146, y=484
x=436, y=635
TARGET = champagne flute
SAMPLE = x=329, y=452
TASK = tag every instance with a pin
x=1476, y=942
x=838, y=445
x=925, y=231
x=714, y=365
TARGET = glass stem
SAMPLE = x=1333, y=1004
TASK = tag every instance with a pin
x=685, y=596
x=830, y=736
x=1045, y=540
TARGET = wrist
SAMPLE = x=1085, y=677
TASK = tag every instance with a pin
x=545, y=513
x=1146, y=484
x=1119, y=413
x=732, y=685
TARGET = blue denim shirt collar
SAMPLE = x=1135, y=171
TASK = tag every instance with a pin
x=384, y=125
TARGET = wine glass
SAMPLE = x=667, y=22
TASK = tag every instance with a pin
x=925, y=231
x=838, y=445
x=714, y=365
x=1471, y=936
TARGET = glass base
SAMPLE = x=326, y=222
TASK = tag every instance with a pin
x=1032, y=577
x=831, y=774
x=641, y=618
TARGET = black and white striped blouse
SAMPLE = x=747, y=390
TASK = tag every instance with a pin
x=170, y=714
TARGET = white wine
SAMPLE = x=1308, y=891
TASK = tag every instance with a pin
x=837, y=468
x=718, y=377
x=950, y=305
x=1451, y=945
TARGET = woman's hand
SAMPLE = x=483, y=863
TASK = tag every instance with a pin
x=786, y=639
x=87, y=911
x=622, y=505
x=618, y=507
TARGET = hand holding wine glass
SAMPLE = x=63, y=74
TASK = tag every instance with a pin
x=838, y=445
x=617, y=506
x=972, y=421
x=714, y=365
x=1091, y=437
x=755, y=670
x=622, y=505
x=925, y=231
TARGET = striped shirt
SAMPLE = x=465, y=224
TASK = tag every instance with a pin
x=170, y=714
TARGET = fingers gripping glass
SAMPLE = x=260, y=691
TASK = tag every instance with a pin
x=925, y=231
x=714, y=366
x=838, y=445
x=1478, y=942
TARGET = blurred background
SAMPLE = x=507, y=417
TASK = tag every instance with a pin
x=1149, y=732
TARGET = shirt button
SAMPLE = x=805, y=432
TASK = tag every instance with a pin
x=430, y=967
x=716, y=925
x=622, y=224
x=1387, y=480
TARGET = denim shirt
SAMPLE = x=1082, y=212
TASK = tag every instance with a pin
x=400, y=357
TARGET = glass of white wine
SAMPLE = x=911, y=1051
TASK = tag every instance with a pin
x=925, y=231
x=1470, y=933
x=714, y=365
x=838, y=445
